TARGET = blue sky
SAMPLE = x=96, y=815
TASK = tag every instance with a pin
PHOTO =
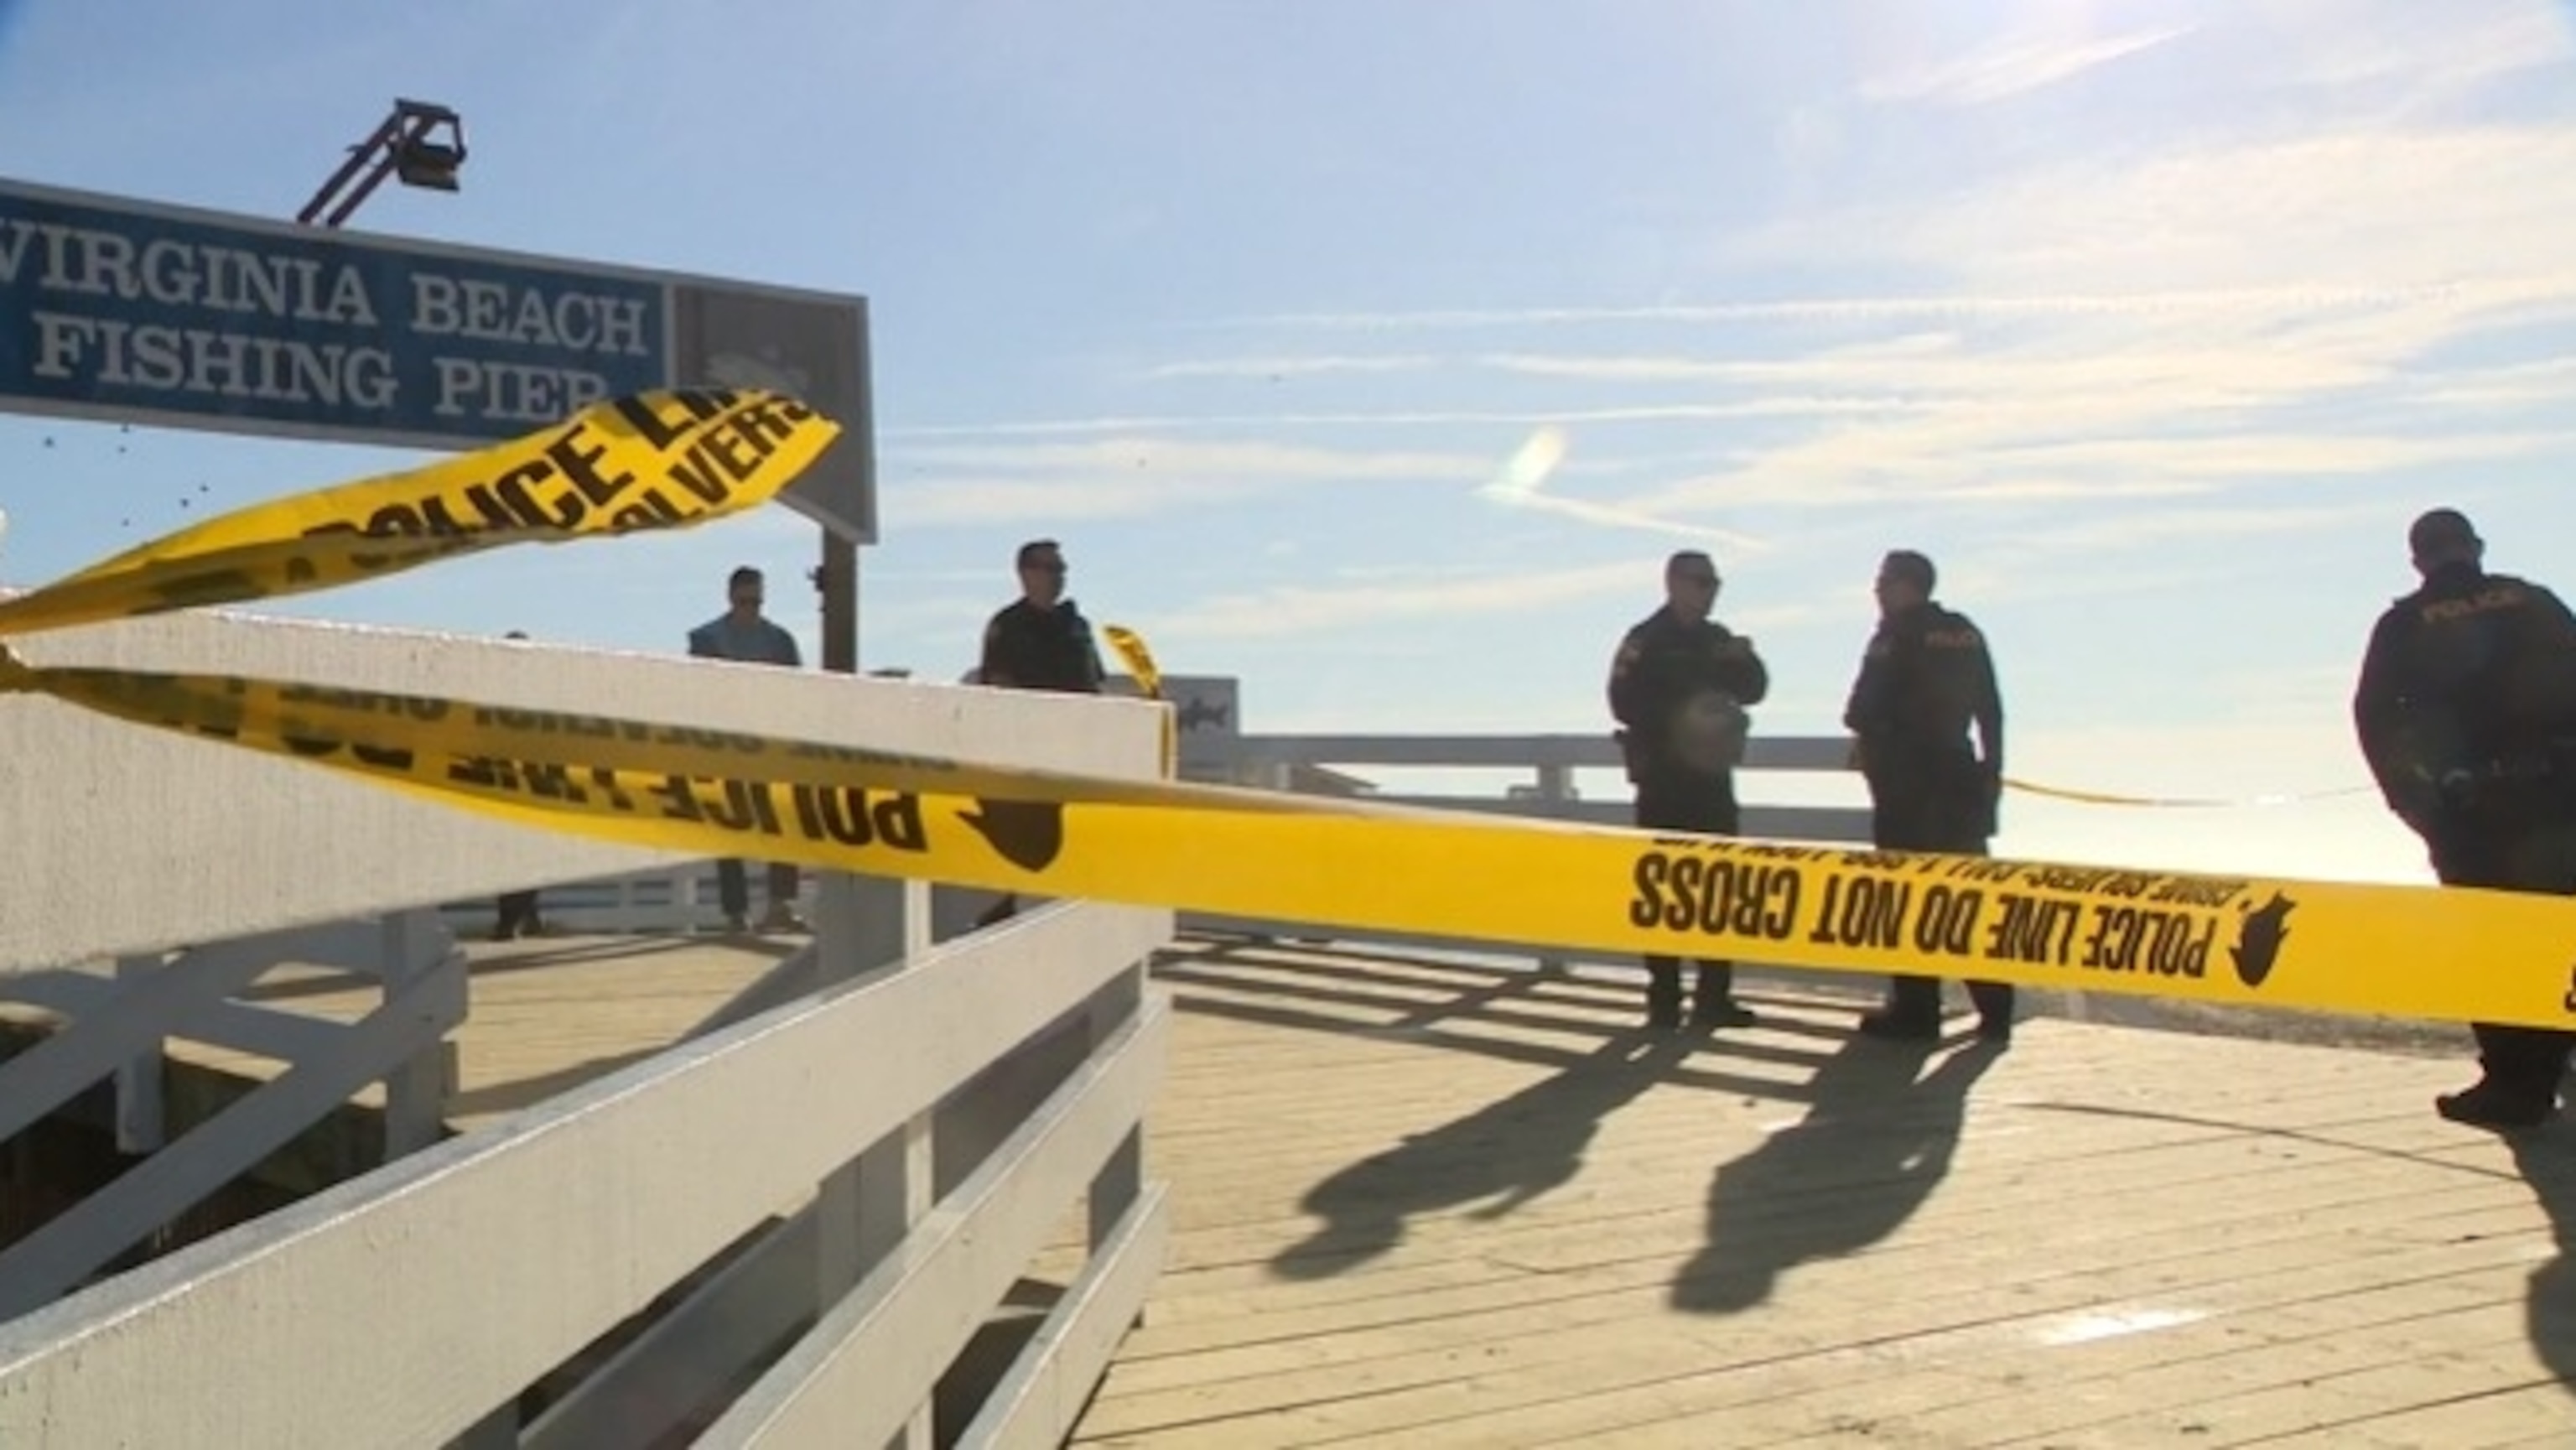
x=2152, y=323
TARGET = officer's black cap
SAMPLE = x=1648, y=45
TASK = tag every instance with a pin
x=2438, y=530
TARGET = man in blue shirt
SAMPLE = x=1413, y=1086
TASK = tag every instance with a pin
x=744, y=633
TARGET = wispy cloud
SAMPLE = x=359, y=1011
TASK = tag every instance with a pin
x=1778, y=406
x=2138, y=406
x=2291, y=296
x=1275, y=369
x=2432, y=51
x=2149, y=528
x=1244, y=459
x=2010, y=66
x=2376, y=208
x=2518, y=385
x=1130, y=474
x=1297, y=609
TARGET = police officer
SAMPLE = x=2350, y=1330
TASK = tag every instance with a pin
x=2466, y=711
x=1039, y=641
x=1924, y=680
x=1679, y=685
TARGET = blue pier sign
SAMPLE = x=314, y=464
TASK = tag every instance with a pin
x=136, y=312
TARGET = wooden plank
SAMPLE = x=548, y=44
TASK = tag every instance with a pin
x=2091, y=1239
x=2101, y=1219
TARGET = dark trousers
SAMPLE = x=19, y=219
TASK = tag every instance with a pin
x=734, y=892
x=517, y=911
x=1703, y=805
x=1941, y=809
x=2524, y=1061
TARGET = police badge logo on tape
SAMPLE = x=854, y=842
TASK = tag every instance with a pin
x=2259, y=938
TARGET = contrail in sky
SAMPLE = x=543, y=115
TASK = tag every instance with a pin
x=1525, y=475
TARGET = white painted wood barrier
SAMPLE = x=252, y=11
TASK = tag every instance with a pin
x=117, y=839
x=412, y=1305
x=399, y=1309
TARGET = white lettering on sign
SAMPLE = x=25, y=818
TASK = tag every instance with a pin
x=514, y=390
x=198, y=360
x=214, y=320
x=83, y=263
x=499, y=312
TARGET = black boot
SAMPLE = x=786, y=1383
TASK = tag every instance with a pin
x=1912, y=1013
x=2491, y=1104
x=1663, y=993
x=1994, y=1011
x=1713, y=1001
x=2517, y=1085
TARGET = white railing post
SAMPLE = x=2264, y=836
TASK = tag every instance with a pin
x=420, y=966
x=140, y=1101
x=864, y=926
x=1555, y=793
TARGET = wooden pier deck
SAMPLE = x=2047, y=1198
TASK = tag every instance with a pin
x=1431, y=1204
x=1428, y=1205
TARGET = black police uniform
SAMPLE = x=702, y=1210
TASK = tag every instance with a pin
x=2466, y=711
x=1925, y=678
x=1668, y=666
x=1027, y=647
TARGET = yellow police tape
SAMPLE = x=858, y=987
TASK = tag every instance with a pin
x=2447, y=954
x=2106, y=798
x=660, y=460
x=1139, y=660
x=2230, y=940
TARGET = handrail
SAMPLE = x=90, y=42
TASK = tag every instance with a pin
x=431, y=1291
x=1467, y=751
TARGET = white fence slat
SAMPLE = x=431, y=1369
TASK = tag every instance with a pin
x=48, y=1262
x=864, y=1369
x=682, y=1361
x=317, y=1326
x=138, y=839
x=1036, y=1405
x=238, y=1026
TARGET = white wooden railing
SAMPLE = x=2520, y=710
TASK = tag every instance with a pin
x=407, y=1306
x=822, y=1193
x=877, y=1157
x=682, y=897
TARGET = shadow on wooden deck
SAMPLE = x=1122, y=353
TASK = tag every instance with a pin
x=1445, y=1202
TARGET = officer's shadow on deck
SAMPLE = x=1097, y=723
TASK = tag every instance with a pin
x=1874, y=1143
x=2547, y=1161
x=1501, y=1156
